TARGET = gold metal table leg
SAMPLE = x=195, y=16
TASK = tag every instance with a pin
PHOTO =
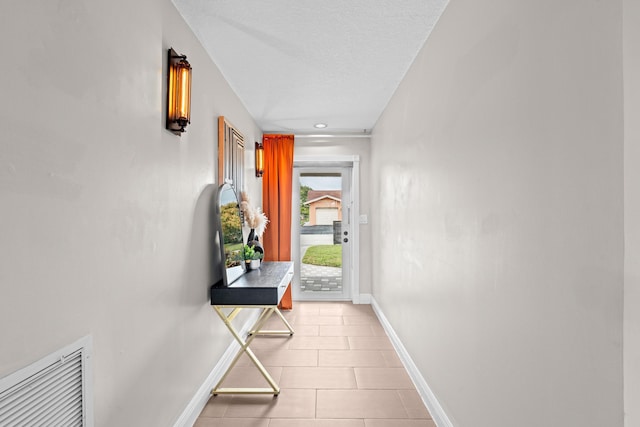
x=244, y=348
x=289, y=331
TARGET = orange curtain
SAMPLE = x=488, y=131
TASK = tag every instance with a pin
x=276, y=201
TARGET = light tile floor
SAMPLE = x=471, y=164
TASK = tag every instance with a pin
x=338, y=370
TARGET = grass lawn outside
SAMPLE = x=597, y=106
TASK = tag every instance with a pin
x=325, y=255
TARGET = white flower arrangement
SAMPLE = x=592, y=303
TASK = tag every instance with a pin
x=254, y=217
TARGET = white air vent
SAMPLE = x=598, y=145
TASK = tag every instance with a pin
x=54, y=391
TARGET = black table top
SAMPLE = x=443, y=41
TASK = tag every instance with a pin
x=263, y=286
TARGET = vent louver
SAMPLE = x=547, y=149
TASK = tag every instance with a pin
x=50, y=392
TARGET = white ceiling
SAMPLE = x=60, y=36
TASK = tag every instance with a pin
x=294, y=63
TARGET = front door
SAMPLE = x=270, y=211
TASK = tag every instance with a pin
x=322, y=232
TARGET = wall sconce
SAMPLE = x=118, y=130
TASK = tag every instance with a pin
x=178, y=93
x=259, y=159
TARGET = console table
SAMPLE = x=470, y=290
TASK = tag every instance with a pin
x=262, y=288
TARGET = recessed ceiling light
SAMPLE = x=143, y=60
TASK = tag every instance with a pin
x=320, y=125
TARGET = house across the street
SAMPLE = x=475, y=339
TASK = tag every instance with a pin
x=325, y=206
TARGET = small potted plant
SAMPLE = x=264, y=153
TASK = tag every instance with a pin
x=252, y=257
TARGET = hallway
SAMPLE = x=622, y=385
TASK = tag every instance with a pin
x=339, y=370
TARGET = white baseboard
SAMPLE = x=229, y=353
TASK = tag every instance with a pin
x=199, y=401
x=429, y=399
x=363, y=299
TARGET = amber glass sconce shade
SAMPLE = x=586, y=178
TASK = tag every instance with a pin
x=259, y=159
x=178, y=93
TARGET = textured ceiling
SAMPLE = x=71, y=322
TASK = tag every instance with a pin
x=294, y=63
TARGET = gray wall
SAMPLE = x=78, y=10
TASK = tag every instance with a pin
x=105, y=218
x=498, y=213
x=632, y=212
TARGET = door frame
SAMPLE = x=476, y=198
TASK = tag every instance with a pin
x=336, y=161
x=345, y=172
